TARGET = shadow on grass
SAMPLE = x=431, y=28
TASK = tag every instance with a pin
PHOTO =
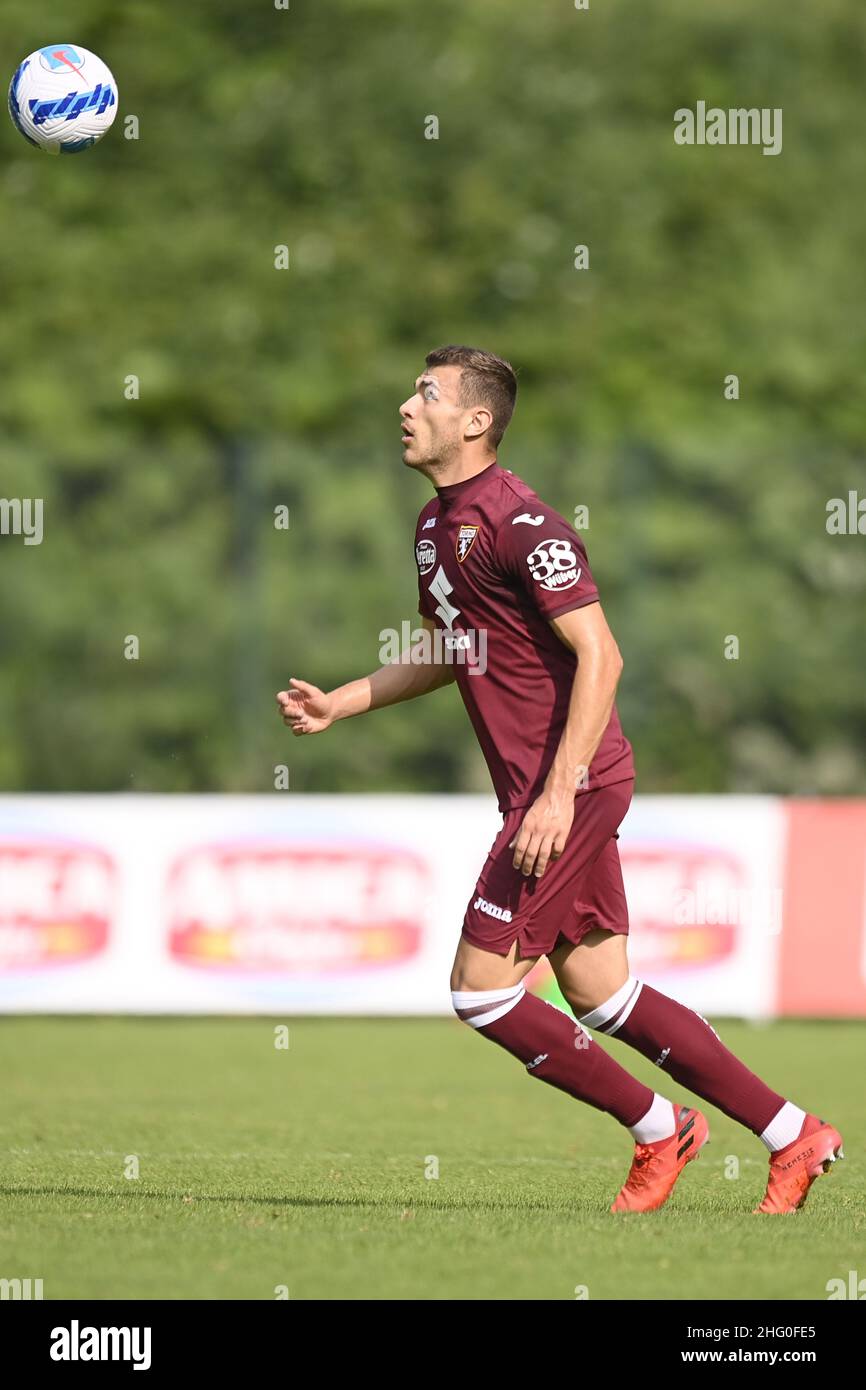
x=554, y=1208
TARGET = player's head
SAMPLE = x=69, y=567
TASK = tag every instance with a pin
x=460, y=408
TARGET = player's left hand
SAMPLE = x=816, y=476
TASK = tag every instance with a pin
x=543, y=834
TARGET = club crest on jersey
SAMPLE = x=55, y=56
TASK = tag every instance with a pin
x=465, y=541
x=425, y=554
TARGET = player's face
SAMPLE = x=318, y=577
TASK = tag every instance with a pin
x=432, y=421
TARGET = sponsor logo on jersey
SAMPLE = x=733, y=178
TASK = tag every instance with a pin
x=553, y=564
x=530, y=520
x=465, y=541
x=440, y=588
x=425, y=554
x=542, y=1057
x=431, y=521
x=502, y=914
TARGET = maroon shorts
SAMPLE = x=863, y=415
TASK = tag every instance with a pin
x=580, y=890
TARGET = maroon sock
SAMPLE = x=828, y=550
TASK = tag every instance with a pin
x=554, y=1049
x=684, y=1045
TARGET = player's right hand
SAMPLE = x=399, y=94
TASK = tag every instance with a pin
x=305, y=709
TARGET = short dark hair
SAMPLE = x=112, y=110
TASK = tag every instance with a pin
x=485, y=380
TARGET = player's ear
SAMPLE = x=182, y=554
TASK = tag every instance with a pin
x=480, y=421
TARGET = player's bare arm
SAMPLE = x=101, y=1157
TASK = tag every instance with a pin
x=306, y=709
x=544, y=831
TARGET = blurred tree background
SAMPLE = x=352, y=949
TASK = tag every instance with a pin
x=262, y=387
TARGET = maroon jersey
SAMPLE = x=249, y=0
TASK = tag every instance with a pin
x=495, y=564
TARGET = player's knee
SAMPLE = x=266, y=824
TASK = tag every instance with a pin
x=589, y=988
x=582, y=998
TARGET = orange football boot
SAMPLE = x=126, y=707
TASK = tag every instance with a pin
x=794, y=1168
x=656, y=1167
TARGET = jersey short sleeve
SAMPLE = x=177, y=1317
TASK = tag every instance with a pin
x=545, y=555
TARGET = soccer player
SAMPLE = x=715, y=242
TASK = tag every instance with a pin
x=511, y=613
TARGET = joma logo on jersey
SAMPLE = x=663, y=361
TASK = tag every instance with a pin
x=465, y=541
x=72, y=105
x=502, y=914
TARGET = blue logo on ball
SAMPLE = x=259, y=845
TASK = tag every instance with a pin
x=71, y=106
x=60, y=55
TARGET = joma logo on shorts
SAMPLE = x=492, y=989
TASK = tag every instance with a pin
x=501, y=913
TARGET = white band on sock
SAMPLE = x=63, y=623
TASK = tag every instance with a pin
x=784, y=1127
x=615, y=1010
x=499, y=1000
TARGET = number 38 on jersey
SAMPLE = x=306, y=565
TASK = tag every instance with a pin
x=553, y=564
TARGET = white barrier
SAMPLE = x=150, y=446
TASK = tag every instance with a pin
x=346, y=904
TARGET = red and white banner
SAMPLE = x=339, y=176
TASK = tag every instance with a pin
x=742, y=906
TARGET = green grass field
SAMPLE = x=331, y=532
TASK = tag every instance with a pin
x=305, y=1167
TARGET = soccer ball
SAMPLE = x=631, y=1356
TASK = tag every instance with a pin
x=62, y=98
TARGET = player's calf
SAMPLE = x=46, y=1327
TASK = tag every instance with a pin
x=555, y=1049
